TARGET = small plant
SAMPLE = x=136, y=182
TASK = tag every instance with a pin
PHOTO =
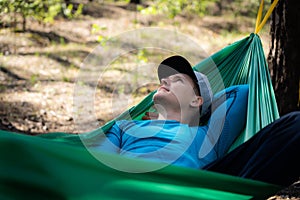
x=33, y=79
x=96, y=29
x=62, y=41
x=2, y=88
x=70, y=12
x=66, y=79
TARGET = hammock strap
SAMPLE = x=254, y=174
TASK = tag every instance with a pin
x=259, y=15
x=259, y=23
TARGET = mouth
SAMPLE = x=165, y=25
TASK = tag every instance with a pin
x=163, y=88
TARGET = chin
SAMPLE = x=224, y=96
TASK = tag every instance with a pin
x=158, y=97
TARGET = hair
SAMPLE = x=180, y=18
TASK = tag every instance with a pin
x=205, y=117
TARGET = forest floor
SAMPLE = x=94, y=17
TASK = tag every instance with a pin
x=39, y=68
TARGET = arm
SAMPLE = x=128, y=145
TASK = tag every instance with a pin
x=226, y=128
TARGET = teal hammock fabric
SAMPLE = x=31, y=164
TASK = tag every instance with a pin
x=58, y=166
x=244, y=62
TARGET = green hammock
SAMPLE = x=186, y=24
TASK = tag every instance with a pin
x=56, y=165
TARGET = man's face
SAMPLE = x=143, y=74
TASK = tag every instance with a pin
x=176, y=91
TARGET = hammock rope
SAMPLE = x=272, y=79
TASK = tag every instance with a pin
x=259, y=24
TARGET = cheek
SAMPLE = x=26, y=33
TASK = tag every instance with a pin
x=185, y=96
x=184, y=92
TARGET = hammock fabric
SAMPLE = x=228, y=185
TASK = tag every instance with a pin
x=38, y=168
x=58, y=166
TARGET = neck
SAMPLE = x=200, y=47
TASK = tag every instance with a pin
x=178, y=118
x=169, y=116
x=184, y=117
x=173, y=115
x=168, y=113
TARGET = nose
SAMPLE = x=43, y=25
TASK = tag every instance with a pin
x=164, y=81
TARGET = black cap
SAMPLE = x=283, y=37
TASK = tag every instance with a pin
x=174, y=65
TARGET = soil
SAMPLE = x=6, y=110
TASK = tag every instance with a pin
x=39, y=67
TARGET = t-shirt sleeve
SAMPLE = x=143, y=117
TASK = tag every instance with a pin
x=111, y=140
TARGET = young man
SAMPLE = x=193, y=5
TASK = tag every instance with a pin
x=175, y=137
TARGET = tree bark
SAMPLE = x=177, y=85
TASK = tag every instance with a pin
x=284, y=55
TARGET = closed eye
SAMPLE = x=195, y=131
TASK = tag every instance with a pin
x=176, y=79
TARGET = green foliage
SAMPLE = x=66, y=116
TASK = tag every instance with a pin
x=117, y=1
x=172, y=8
x=142, y=56
x=250, y=7
x=62, y=41
x=33, y=79
x=66, y=79
x=45, y=11
x=70, y=12
x=41, y=10
x=96, y=29
x=2, y=88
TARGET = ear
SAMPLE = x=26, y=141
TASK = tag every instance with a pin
x=197, y=101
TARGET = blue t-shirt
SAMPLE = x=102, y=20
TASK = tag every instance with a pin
x=166, y=141
x=171, y=142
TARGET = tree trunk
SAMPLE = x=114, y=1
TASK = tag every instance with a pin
x=284, y=55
